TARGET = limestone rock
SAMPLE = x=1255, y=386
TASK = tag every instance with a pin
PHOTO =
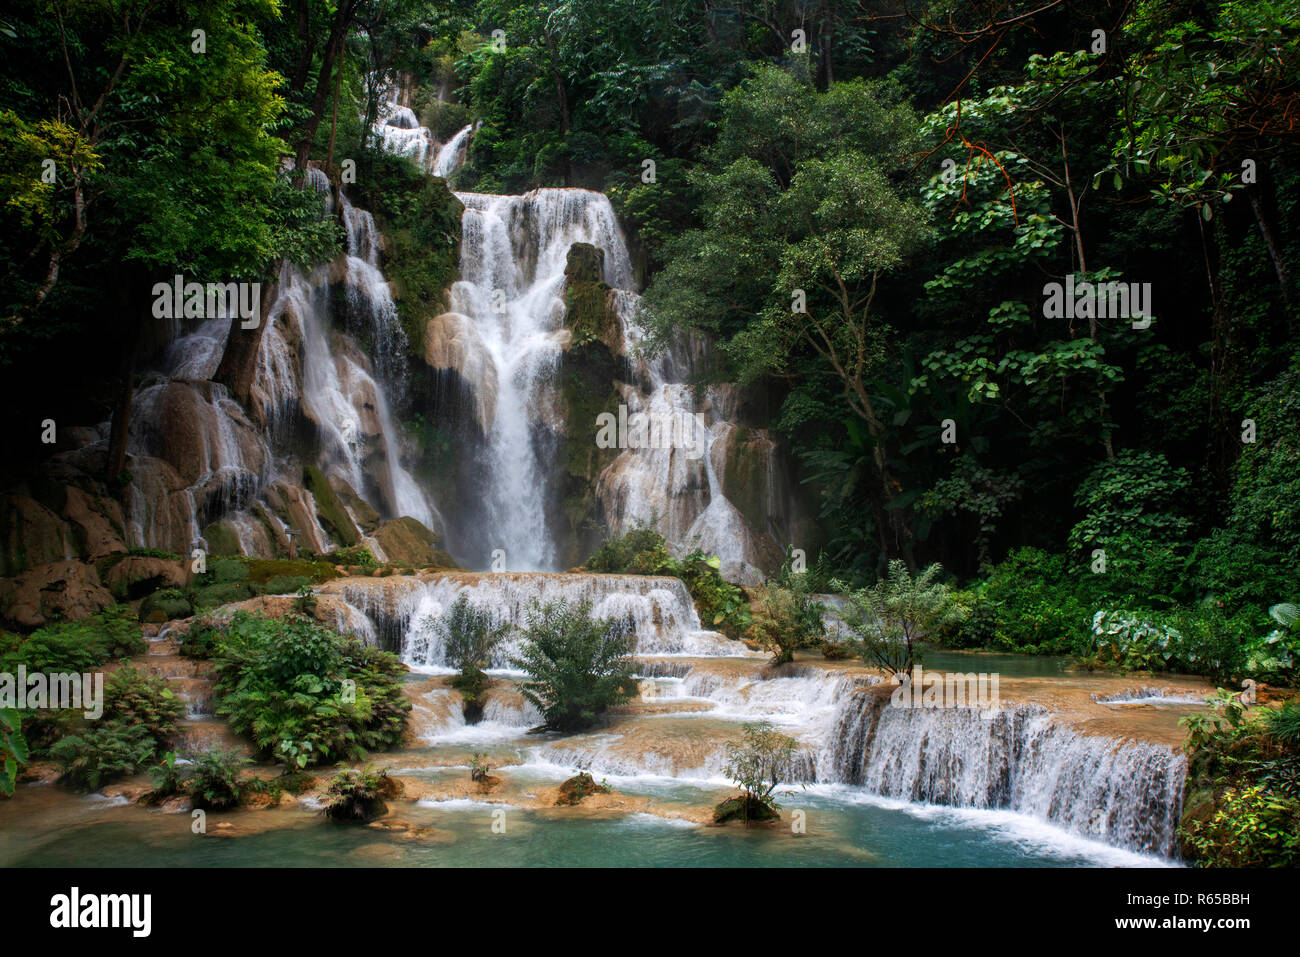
x=67, y=590
x=453, y=344
x=31, y=534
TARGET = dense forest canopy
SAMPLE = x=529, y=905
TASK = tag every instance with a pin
x=864, y=204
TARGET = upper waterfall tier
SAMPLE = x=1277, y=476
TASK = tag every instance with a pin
x=407, y=612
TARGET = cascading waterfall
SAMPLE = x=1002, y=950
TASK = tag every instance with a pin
x=451, y=155
x=657, y=611
x=513, y=254
x=1124, y=793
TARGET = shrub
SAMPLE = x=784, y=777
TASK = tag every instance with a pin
x=782, y=620
x=578, y=666
x=1197, y=641
x=168, y=777
x=354, y=555
x=1027, y=603
x=13, y=749
x=1250, y=827
x=1276, y=656
x=75, y=646
x=214, y=779
x=306, y=694
x=578, y=787
x=643, y=551
x=756, y=763
x=200, y=641
x=889, y=618
x=139, y=699
x=1138, y=495
x=472, y=636
x=101, y=754
x=359, y=795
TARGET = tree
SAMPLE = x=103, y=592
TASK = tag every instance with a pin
x=803, y=218
x=892, y=616
x=757, y=763
x=578, y=666
x=472, y=638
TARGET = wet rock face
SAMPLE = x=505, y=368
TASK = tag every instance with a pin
x=460, y=361
x=66, y=590
x=406, y=541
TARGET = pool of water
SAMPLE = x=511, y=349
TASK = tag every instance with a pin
x=989, y=662
x=842, y=828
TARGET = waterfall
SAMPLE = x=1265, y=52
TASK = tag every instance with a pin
x=451, y=155
x=1126, y=793
x=407, y=612
x=513, y=254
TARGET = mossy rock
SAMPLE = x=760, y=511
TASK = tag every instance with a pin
x=406, y=541
x=224, y=571
x=167, y=604
x=284, y=584
x=222, y=538
x=578, y=787
x=333, y=516
x=210, y=596
x=744, y=808
x=263, y=570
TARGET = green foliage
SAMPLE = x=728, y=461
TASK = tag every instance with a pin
x=643, y=551
x=578, y=666
x=13, y=749
x=213, y=781
x=168, y=777
x=783, y=619
x=1243, y=803
x=358, y=795
x=1135, y=496
x=138, y=699
x=472, y=636
x=74, y=646
x=889, y=618
x=757, y=763
x=1200, y=641
x=102, y=753
x=354, y=555
x=306, y=694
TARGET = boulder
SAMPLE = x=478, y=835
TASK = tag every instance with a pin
x=67, y=590
x=137, y=575
x=30, y=535
x=452, y=344
x=97, y=523
x=406, y=541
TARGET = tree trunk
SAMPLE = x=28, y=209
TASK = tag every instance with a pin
x=333, y=47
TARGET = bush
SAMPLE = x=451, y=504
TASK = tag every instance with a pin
x=138, y=699
x=890, y=618
x=74, y=646
x=1192, y=640
x=472, y=636
x=168, y=777
x=1027, y=603
x=306, y=694
x=214, y=779
x=756, y=763
x=1249, y=827
x=783, y=620
x=13, y=749
x=354, y=555
x=578, y=666
x=101, y=754
x=359, y=795
x=643, y=551
x=200, y=641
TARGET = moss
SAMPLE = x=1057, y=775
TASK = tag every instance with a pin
x=263, y=570
x=333, y=516
x=222, y=538
x=165, y=605
x=210, y=596
x=745, y=478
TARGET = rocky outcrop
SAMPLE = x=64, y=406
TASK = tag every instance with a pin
x=31, y=534
x=460, y=362
x=66, y=590
x=406, y=542
x=137, y=575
